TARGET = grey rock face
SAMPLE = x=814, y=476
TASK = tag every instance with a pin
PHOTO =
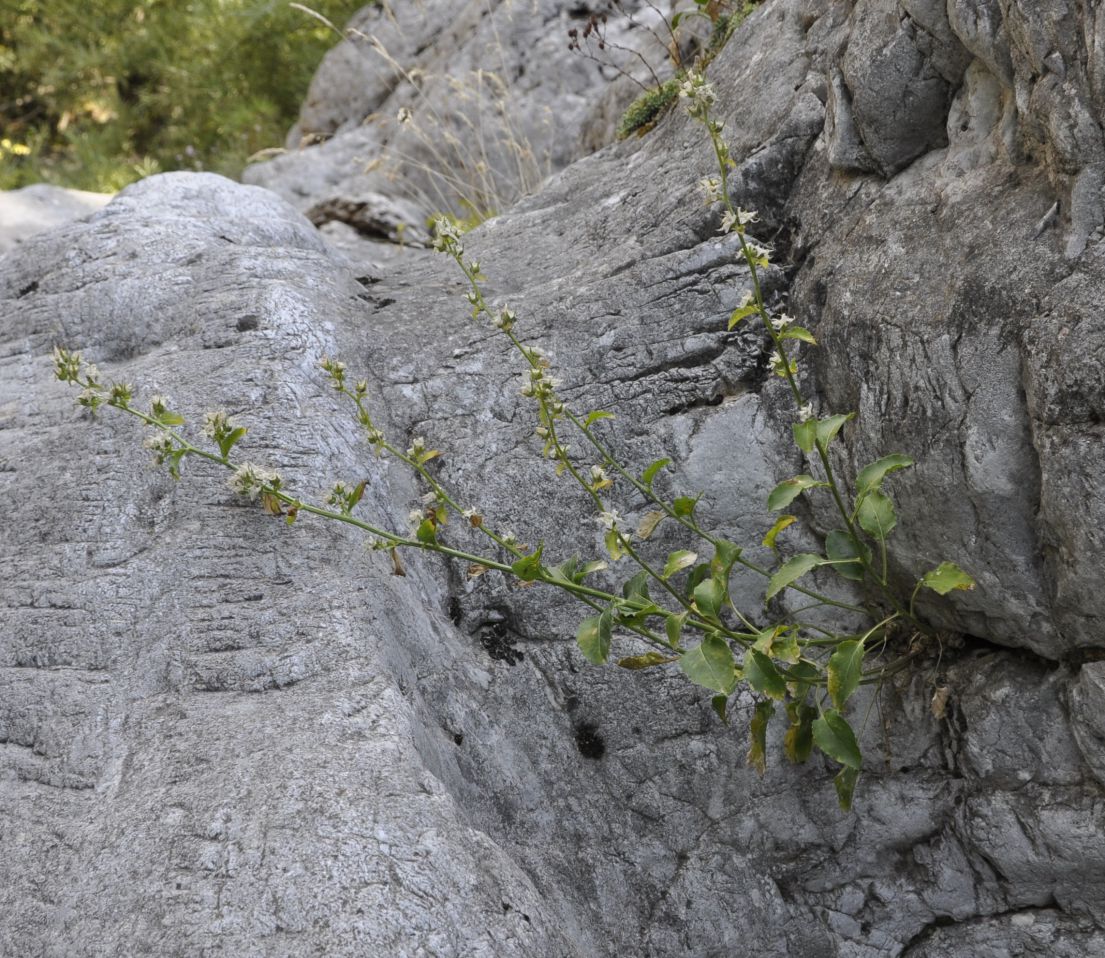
x=40, y=207
x=258, y=737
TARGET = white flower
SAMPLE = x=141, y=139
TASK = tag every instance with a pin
x=609, y=519
x=746, y=300
x=805, y=413
x=469, y=514
x=216, y=424
x=417, y=447
x=711, y=189
x=404, y=115
x=504, y=319
x=745, y=217
x=728, y=220
x=697, y=90
x=598, y=474
x=248, y=479
x=415, y=517
x=779, y=323
x=758, y=251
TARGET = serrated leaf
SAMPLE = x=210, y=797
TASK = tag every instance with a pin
x=946, y=577
x=845, y=783
x=870, y=477
x=673, y=626
x=800, y=333
x=761, y=674
x=684, y=505
x=595, y=416
x=844, y=671
x=834, y=736
x=757, y=752
x=710, y=664
x=805, y=434
x=798, y=741
x=677, y=562
x=791, y=571
x=647, y=661
x=789, y=489
x=648, y=524
x=720, y=705
x=593, y=638
x=839, y=546
x=827, y=428
x=528, y=568
x=709, y=597
x=876, y=515
x=650, y=473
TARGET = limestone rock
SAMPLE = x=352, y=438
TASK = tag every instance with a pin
x=259, y=737
x=39, y=207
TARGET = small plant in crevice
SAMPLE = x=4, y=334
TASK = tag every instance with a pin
x=682, y=48
x=674, y=610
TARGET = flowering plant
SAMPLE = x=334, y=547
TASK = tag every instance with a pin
x=675, y=611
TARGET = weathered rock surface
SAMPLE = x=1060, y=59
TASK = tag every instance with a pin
x=40, y=207
x=258, y=738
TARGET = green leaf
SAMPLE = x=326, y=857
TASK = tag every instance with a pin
x=742, y=313
x=228, y=441
x=613, y=544
x=870, y=477
x=673, y=626
x=828, y=427
x=649, y=522
x=834, y=736
x=709, y=597
x=757, y=753
x=593, y=637
x=356, y=495
x=789, y=489
x=800, y=333
x=845, y=783
x=637, y=587
x=426, y=533
x=791, y=571
x=528, y=568
x=647, y=661
x=779, y=643
x=805, y=434
x=595, y=416
x=677, y=562
x=840, y=546
x=725, y=555
x=946, y=577
x=650, y=473
x=710, y=664
x=798, y=741
x=700, y=573
x=684, y=505
x=780, y=524
x=168, y=418
x=876, y=515
x=845, y=670
x=720, y=705
x=803, y=676
x=761, y=674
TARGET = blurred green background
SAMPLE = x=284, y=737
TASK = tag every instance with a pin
x=95, y=94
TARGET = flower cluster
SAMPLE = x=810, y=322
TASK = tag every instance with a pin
x=251, y=480
x=336, y=370
x=447, y=236
x=699, y=92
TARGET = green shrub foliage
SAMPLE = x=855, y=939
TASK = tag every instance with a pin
x=97, y=95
